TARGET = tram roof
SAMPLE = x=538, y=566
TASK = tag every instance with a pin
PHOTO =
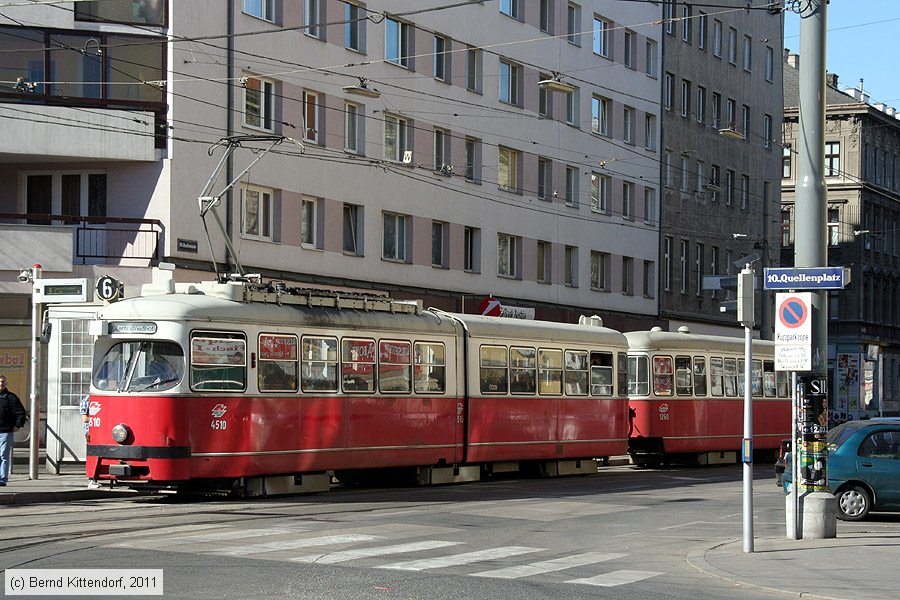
x=677, y=341
x=521, y=329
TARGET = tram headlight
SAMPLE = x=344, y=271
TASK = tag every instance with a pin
x=120, y=433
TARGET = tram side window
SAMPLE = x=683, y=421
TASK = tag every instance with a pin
x=730, y=377
x=358, y=365
x=318, y=364
x=522, y=371
x=218, y=361
x=277, y=363
x=550, y=370
x=769, y=379
x=394, y=366
x=662, y=375
x=783, y=384
x=622, y=373
x=494, y=373
x=576, y=373
x=717, y=376
x=602, y=373
x=638, y=376
x=430, y=368
x=740, y=377
x=683, y=376
x=756, y=372
x=699, y=376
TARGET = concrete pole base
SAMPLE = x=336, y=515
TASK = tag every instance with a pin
x=817, y=515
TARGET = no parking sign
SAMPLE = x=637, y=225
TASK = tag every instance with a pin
x=793, y=332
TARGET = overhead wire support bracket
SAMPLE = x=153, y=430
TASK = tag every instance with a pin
x=208, y=202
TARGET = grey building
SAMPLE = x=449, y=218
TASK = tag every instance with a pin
x=721, y=123
x=862, y=158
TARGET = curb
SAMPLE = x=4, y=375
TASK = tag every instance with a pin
x=23, y=498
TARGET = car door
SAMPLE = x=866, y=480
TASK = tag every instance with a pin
x=878, y=463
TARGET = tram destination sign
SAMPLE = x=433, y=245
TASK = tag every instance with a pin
x=806, y=278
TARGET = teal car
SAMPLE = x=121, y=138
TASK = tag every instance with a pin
x=863, y=467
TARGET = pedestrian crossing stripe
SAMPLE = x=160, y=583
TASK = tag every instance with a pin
x=616, y=578
x=461, y=559
x=549, y=566
x=345, y=555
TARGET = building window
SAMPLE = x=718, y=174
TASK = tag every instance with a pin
x=442, y=151
x=685, y=98
x=786, y=162
x=507, y=255
x=667, y=264
x=767, y=131
x=599, y=193
x=717, y=38
x=509, y=82
x=353, y=127
x=473, y=160
x=572, y=108
x=714, y=264
x=545, y=180
x=471, y=247
x=352, y=229
x=785, y=228
x=354, y=27
x=832, y=159
x=142, y=12
x=510, y=8
x=651, y=61
x=308, y=222
x=669, y=16
x=544, y=261
x=573, y=24
x=630, y=49
x=396, y=42
x=259, y=95
x=714, y=182
x=716, y=110
x=699, y=264
x=571, y=265
x=770, y=63
x=546, y=17
x=649, y=279
x=627, y=200
x=572, y=187
x=747, y=52
x=745, y=122
x=669, y=91
x=686, y=23
x=394, y=237
x=600, y=270
x=67, y=193
x=701, y=104
x=258, y=8
x=602, y=33
x=396, y=141
x=628, y=125
x=701, y=31
x=311, y=117
x=729, y=187
x=732, y=45
x=628, y=276
x=685, y=173
x=834, y=226
x=685, y=270
x=438, y=244
x=473, y=70
x=75, y=351
x=668, y=175
x=312, y=10
x=440, y=58
x=600, y=115
x=649, y=132
x=700, y=172
x=545, y=97
x=745, y=192
x=507, y=169
x=257, y=212
x=649, y=205
x=730, y=113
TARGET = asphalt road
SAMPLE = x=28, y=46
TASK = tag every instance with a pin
x=622, y=533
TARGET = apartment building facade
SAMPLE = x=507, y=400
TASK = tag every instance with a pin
x=862, y=176
x=721, y=116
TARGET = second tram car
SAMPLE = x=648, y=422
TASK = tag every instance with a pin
x=686, y=396
x=251, y=389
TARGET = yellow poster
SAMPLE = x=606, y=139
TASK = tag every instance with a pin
x=14, y=363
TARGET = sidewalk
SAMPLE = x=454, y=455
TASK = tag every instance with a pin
x=70, y=484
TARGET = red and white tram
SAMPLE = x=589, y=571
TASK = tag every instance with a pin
x=686, y=397
x=240, y=387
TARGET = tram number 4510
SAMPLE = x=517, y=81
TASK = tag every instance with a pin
x=218, y=424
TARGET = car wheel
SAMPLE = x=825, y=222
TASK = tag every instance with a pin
x=854, y=503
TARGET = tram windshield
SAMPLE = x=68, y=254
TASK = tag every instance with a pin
x=140, y=366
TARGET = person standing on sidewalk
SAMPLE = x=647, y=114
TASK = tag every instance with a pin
x=12, y=418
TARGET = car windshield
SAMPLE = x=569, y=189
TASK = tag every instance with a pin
x=140, y=366
x=840, y=434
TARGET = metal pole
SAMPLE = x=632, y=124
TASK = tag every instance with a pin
x=795, y=457
x=748, y=440
x=34, y=413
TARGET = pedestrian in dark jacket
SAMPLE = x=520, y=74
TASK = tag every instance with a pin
x=12, y=418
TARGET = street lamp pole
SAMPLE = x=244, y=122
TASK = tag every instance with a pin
x=34, y=414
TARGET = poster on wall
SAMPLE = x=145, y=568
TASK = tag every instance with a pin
x=14, y=363
x=847, y=401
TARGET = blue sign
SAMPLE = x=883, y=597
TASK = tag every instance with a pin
x=806, y=278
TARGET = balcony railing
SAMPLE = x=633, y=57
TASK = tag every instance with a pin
x=103, y=239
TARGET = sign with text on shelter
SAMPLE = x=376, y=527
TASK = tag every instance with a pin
x=793, y=332
x=806, y=278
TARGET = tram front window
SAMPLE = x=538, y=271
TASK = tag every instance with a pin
x=140, y=366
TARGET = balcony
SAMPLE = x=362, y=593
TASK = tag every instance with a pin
x=91, y=240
